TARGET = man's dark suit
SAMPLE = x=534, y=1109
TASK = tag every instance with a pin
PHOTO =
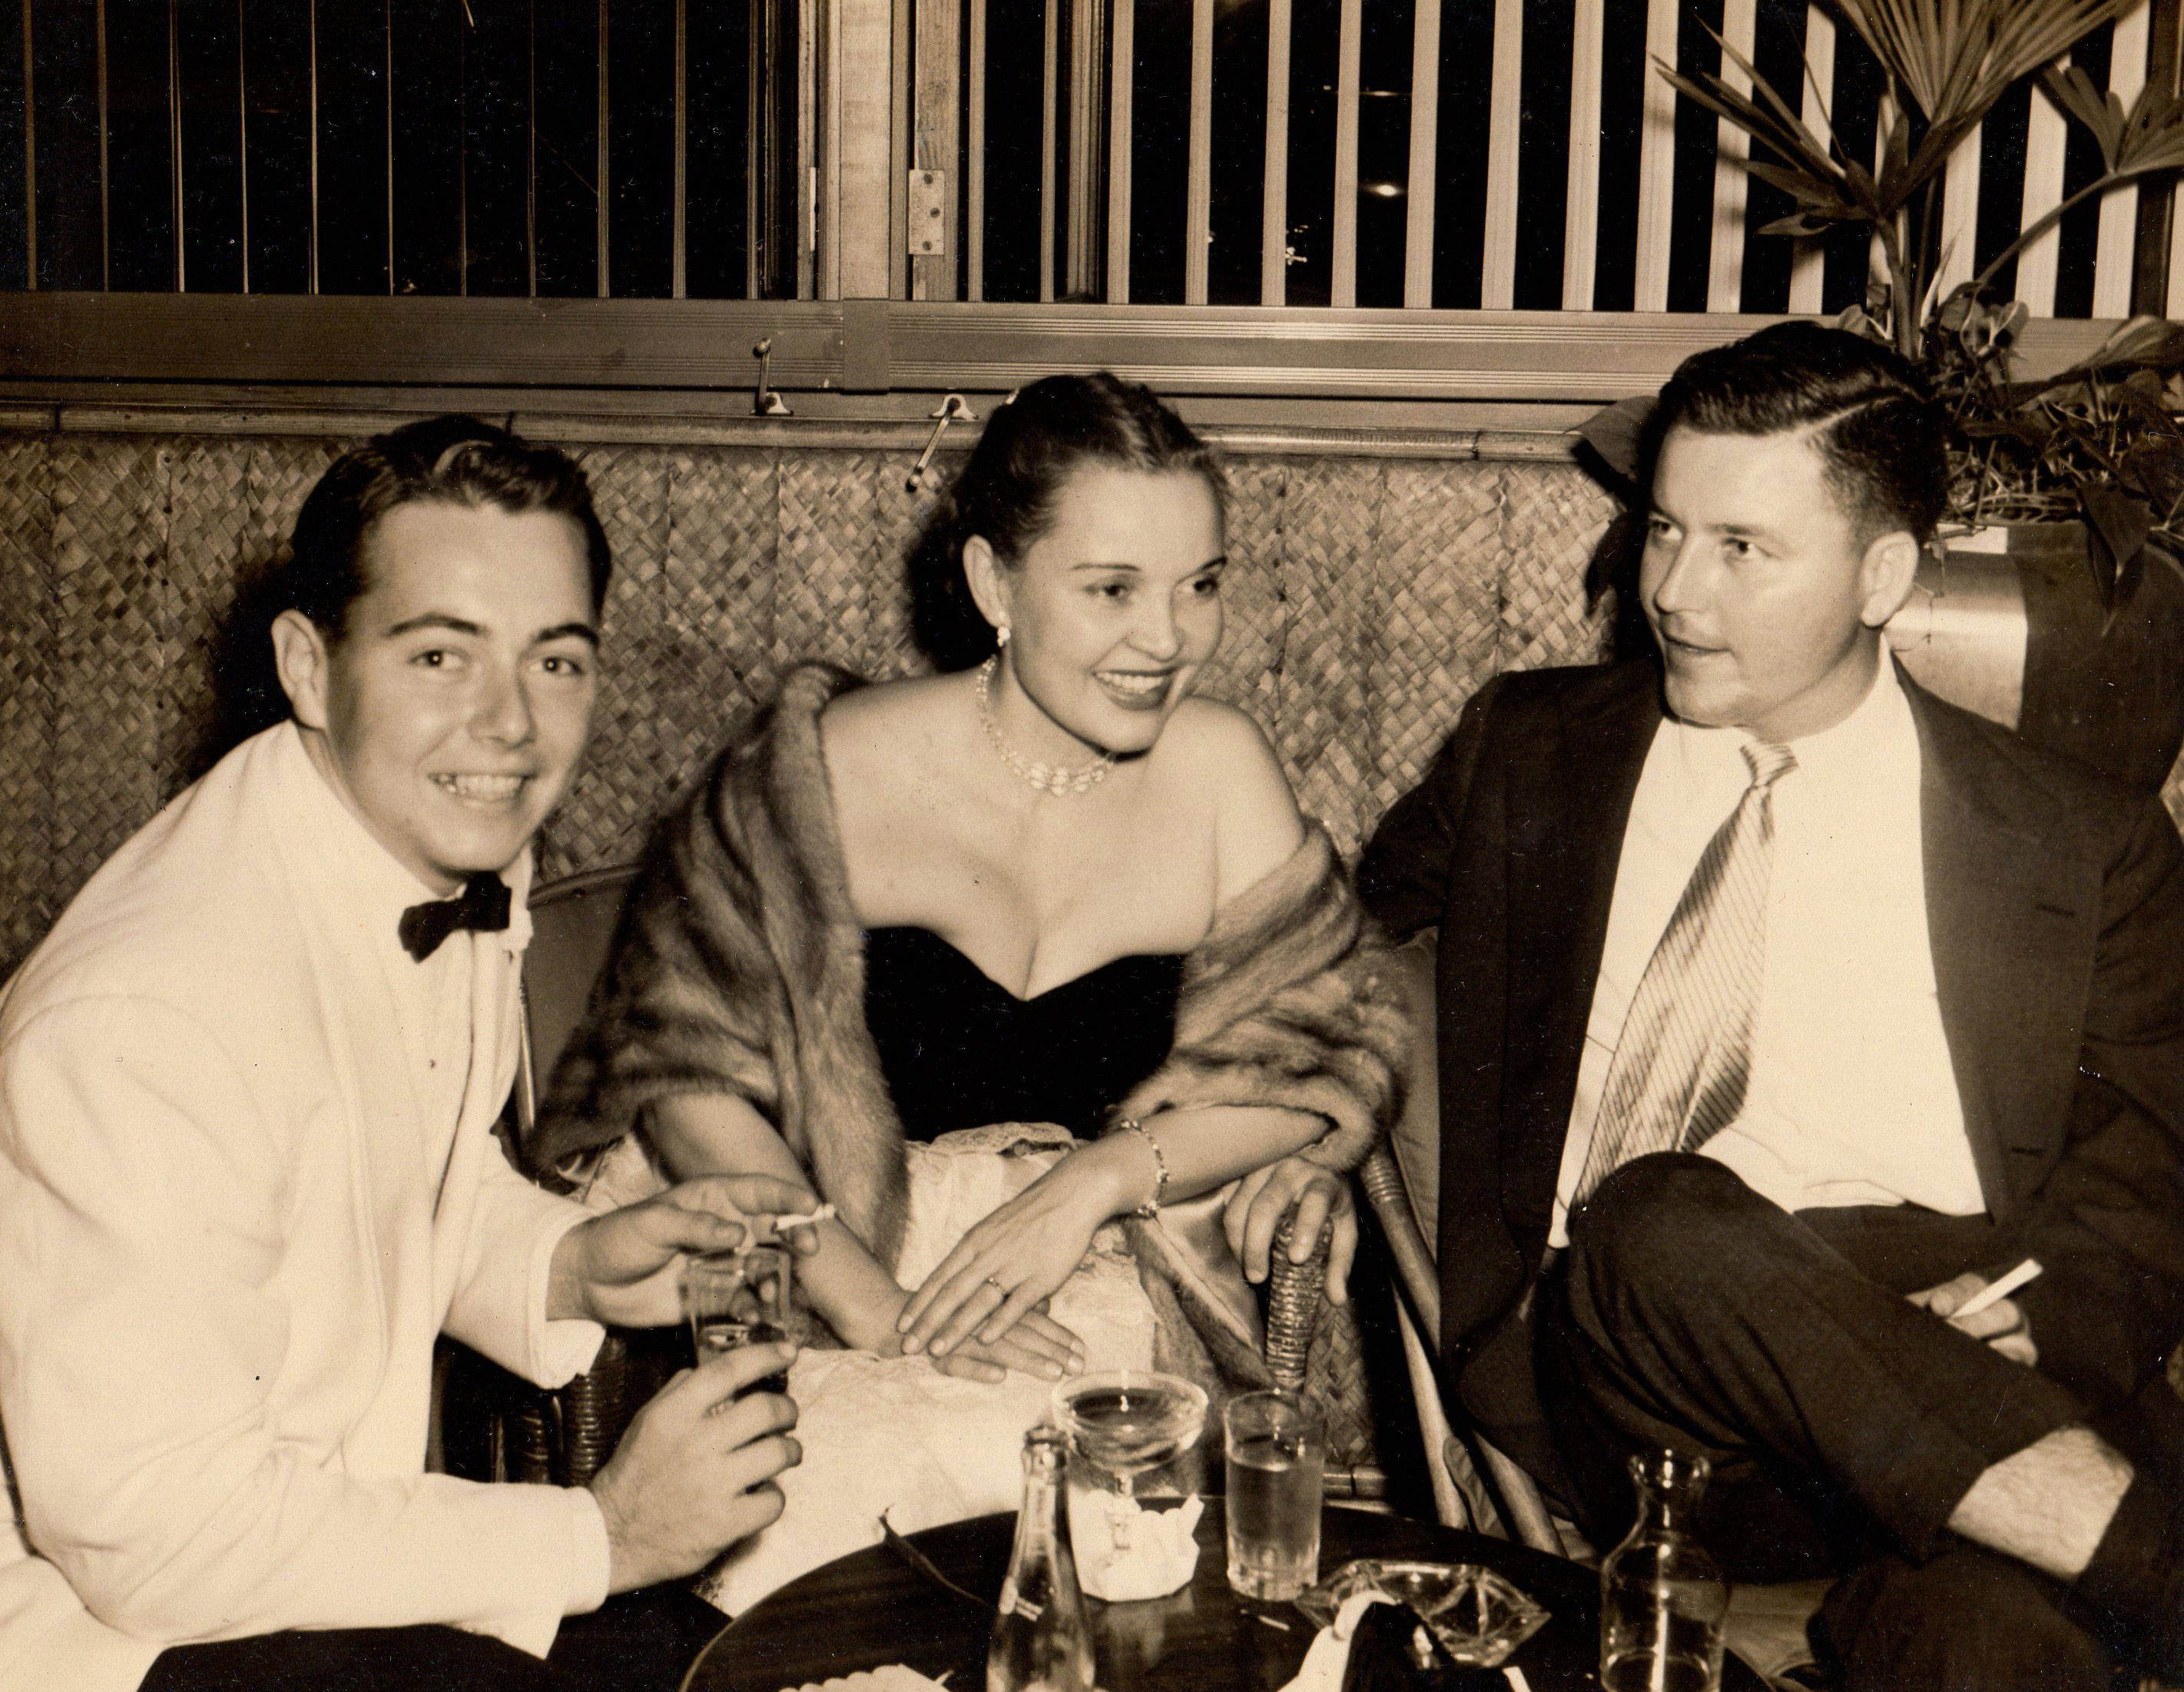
x=2056, y=912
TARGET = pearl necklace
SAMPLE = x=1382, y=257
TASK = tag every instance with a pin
x=1046, y=778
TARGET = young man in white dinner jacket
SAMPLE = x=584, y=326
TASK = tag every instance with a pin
x=246, y=1170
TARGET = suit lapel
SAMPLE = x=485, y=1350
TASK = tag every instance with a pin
x=2011, y=921
x=1568, y=808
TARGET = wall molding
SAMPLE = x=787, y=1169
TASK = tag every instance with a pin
x=696, y=350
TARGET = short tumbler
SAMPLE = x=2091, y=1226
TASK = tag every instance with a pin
x=735, y=1298
x=1276, y=1451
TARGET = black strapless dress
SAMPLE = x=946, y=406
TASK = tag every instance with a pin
x=959, y=1050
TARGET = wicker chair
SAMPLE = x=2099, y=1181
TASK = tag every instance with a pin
x=1474, y=1484
x=565, y=1437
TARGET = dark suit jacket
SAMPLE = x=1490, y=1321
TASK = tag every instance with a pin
x=2055, y=903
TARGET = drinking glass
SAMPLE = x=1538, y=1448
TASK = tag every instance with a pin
x=739, y=1298
x=1126, y=1423
x=1277, y=1454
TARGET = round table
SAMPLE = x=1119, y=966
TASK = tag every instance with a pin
x=872, y=1608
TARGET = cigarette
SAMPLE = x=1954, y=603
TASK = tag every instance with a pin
x=822, y=1214
x=1996, y=1291
x=1515, y=1676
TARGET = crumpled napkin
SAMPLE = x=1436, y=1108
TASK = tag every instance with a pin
x=1126, y=1551
x=1329, y=1654
x=894, y=1677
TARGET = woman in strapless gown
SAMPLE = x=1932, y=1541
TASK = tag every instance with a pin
x=1032, y=969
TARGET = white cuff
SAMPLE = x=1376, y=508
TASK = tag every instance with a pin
x=562, y=1349
x=591, y=1557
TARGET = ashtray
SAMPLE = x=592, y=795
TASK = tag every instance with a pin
x=1474, y=1615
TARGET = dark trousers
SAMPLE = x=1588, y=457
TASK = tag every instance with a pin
x=1843, y=1424
x=636, y=1642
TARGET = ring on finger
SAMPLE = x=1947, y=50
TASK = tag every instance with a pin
x=996, y=1284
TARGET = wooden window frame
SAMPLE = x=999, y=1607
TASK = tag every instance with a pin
x=121, y=347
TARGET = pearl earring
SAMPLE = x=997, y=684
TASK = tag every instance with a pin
x=1002, y=635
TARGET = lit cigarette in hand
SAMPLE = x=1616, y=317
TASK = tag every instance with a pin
x=825, y=1212
x=1995, y=1291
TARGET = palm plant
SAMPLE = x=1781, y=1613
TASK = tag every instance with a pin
x=1945, y=62
x=2100, y=441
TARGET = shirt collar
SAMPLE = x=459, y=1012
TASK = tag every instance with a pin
x=360, y=879
x=1879, y=725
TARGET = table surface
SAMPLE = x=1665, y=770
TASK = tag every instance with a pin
x=872, y=1608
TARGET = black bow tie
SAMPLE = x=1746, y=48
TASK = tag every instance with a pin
x=482, y=904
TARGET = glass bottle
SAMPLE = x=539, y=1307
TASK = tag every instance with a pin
x=1662, y=1599
x=1043, y=1635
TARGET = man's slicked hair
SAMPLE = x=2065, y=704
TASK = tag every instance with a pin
x=450, y=460
x=1883, y=442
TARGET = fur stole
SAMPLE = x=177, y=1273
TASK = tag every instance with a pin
x=739, y=968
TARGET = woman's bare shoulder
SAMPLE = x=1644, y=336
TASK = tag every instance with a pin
x=876, y=728
x=1223, y=753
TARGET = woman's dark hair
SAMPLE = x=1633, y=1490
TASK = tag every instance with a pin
x=1006, y=491
x=1881, y=439
x=455, y=460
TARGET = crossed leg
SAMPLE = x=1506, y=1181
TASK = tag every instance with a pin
x=1691, y=1312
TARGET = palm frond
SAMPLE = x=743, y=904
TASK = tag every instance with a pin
x=1954, y=59
x=2154, y=133
x=1820, y=179
x=2076, y=95
x=1789, y=134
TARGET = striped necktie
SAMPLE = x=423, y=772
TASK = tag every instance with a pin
x=1681, y=1066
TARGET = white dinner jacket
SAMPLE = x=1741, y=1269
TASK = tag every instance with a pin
x=224, y=1259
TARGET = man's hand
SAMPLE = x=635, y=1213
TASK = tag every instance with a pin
x=621, y=1267
x=1261, y=1198
x=2002, y=1325
x=695, y=1472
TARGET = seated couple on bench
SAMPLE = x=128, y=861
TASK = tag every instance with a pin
x=1781, y=1007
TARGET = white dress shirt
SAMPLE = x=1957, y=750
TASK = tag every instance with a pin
x=1852, y=1098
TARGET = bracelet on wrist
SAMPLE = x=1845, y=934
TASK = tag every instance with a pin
x=1151, y=1207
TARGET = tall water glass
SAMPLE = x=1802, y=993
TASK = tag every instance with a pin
x=739, y=1298
x=1277, y=1454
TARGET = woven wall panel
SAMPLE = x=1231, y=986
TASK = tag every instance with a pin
x=723, y=530
x=1246, y=666
x=211, y=536
x=109, y=521
x=889, y=648
x=635, y=756
x=29, y=800
x=1330, y=536
x=829, y=552
x=1433, y=626
x=282, y=470
x=1552, y=517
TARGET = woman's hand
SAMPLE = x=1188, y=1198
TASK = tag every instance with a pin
x=1317, y=1195
x=1037, y=1345
x=1006, y=1266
